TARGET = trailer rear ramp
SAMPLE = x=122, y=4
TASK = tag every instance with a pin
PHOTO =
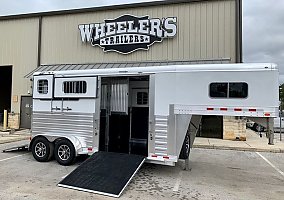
x=105, y=173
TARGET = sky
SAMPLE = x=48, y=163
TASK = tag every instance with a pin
x=263, y=33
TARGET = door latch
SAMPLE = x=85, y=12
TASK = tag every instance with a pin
x=67, y=109
x=56, y=108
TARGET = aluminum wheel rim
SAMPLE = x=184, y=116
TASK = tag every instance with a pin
x=64, y=152
x=40, y=149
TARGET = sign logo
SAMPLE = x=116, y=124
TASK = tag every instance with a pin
x=128, y=33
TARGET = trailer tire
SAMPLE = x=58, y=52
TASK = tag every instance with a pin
x=42, y=149
x=64, y=152
x=185, y=150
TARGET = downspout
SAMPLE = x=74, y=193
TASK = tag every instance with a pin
x=39, y=41
x=239, y=32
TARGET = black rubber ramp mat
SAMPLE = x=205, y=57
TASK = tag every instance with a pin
x=104, y=173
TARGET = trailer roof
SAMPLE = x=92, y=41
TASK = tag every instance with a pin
x=165, y=68
x=61, y=67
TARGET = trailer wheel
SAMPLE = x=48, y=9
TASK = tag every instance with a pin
x=42, y=149
x=185, y=150
x=64, y=152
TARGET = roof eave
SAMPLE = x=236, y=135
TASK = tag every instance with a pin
x=92, y=9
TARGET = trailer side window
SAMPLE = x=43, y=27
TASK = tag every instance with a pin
x=42, y=86
x=219, y=90
x=142, y=98
x=238, y=90
x=228, y=90
x=75, y=87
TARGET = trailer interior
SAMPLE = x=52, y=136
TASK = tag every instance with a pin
x=124, y=115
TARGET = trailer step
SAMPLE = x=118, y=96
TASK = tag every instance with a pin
x=105, y=173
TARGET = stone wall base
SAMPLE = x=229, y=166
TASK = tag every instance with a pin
x=234, y=128
x=13, y=120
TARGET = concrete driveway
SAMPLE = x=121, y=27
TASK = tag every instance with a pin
x=214, y=174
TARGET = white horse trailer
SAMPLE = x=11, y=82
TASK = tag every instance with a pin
x=151, y=111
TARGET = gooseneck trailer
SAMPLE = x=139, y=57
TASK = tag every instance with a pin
x=153, y=112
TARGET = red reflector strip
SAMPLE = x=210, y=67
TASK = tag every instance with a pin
x=90, y=149
x=155, y=156
x=210, y=108
x=252, y=110
x=266, y=114
x=166, y=157
x=237, y=109
x=223, y=109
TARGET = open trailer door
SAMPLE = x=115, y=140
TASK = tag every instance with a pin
x=105, y=173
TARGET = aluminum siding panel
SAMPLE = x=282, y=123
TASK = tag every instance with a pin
x=80, y=125
x=205, y=30
x=18, y=39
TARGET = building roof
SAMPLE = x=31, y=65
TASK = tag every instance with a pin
x=99, y=8
x=61, y=67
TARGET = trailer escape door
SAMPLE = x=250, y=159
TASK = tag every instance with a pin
x=105, y=173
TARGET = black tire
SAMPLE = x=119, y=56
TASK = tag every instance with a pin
x=42, y=149
x=64, y=152
x=185, y=150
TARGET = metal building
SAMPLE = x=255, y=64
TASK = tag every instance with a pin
x=179, y=31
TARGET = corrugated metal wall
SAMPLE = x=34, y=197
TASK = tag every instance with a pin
x=18, y=47
x=205, y=30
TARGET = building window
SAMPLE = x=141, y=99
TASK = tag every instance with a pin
x=228, y=90
x=42, y=86
x=142, y=98
x=75, y=87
